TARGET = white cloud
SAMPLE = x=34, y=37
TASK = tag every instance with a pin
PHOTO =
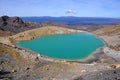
x=70, y=11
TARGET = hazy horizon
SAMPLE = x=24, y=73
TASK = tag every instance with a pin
x=58, y=8
x=64, y=16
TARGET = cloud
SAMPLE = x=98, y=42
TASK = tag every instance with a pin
x=70, y=11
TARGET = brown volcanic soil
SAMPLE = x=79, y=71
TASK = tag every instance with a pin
x=12, y=68
x=47, y=30
x=111, y=35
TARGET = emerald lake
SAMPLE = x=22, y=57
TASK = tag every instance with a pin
x=72, y=46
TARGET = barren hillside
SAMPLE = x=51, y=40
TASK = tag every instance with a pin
x=111, y=35
x=34, y=33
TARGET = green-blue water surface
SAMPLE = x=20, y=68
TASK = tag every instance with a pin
x=64, y=46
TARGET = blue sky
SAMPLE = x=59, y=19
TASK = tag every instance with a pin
x=81, y=8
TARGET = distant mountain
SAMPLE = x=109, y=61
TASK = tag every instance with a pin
x=71, y=20
x=13, y=25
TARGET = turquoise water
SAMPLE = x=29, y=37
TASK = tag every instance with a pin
x=64, y=46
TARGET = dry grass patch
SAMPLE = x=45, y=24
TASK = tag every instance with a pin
x=34, y=33
x=108, y=30
x=11, y=51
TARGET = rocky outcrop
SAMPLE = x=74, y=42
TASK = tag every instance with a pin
x=12, y=24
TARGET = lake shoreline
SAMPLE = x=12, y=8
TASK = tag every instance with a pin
x=71, y=31
x=91, y=58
